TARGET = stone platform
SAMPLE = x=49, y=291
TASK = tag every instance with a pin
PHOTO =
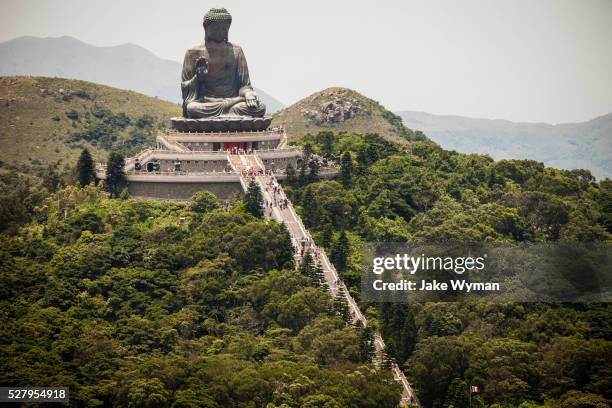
x=221, y=124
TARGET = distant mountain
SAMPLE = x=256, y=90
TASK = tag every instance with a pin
x=124, y=66
x=342, y=109
x=585, y=145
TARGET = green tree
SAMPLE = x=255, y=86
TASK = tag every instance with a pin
x=341, y=306
x=301, y=308
x=346, y=169
x=313, y=171
x=362, y=161
x=307, y=152
x=577, y=399
x=302, y=178
x=51, y=179
x=399, y=326
x=253, y=200
x=327, y=234
x=148, y=393
x=366, y=344
x=340, y=251
x=204, y=201
x=326, y=140
x=125, y=193
x=258, y=245
x=308, y=268
x=85, y=168
x=310, y=208
x=435, y=362
x=336, y=204
x=458, y=394
x=115, y=175
x=291, y=175
x=605, y=203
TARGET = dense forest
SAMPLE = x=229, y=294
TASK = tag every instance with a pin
x=527, y=354
x=145, y=303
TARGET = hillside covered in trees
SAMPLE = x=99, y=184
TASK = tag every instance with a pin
x=143, y=303
x=528, y=354
x=150, y=304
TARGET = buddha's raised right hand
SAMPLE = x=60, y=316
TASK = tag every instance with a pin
x=201, y=68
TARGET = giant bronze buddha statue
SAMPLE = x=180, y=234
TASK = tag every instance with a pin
x=215, y=77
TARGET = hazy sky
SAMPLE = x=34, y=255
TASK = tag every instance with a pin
x=523, y=60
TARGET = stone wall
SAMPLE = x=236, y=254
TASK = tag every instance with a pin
x=280, y=162
x=181, y=190
x=280, y=159
x=195, y=166
x=268, y=144
x=200, y=146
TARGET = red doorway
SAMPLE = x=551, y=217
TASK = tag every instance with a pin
x=230, y=145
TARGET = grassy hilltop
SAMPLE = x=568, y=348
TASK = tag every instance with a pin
x=342, y=109
x=46, y=120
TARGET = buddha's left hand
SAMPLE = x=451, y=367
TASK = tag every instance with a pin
x=251, y=99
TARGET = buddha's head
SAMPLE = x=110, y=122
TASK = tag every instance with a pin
x=216, y=25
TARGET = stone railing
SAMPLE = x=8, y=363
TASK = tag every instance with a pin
x=322, y=171
x=129, y=162
x=173, y=132
x=180, y=173
x=282, y=149
x=188, y=154
x=283, y=140
x=224, y=137
x=170, y=144
x=266, y=154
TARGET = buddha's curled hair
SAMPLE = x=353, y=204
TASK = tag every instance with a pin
x=217, y=15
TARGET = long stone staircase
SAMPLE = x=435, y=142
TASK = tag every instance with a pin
x=299, y=234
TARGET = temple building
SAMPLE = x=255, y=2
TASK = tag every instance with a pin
x=224, y=141
x=183, y=161
x=224, y=134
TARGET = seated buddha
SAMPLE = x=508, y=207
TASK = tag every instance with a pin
x=215, y=76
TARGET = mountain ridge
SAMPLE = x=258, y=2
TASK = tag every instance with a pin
x=499, y=120
x=127, y=66
x=564, y=145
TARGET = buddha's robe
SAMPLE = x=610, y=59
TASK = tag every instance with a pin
x=223, y=89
